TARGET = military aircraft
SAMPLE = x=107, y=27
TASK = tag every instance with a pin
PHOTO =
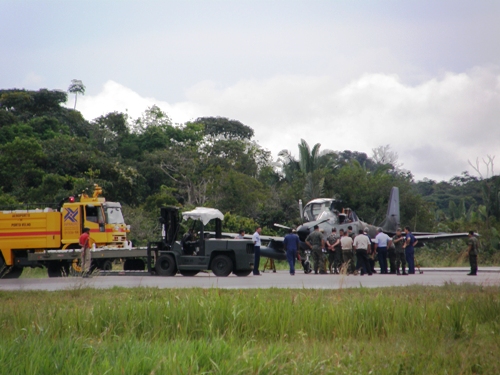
x=328, y=213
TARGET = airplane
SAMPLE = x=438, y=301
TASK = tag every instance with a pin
x=327, y=213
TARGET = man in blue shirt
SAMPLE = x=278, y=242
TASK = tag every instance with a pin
x=410, y=242
x=382, y=242
x=256, y=250
x=291, y=244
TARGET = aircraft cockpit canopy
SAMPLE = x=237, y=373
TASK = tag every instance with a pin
x=320, y=209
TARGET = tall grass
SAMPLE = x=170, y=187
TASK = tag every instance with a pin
x=146, y=330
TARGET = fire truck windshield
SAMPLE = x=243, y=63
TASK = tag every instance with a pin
x=114, y=215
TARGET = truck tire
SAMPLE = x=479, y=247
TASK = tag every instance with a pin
x=165, y=265
x=189, y=272
x=221, y=266
x=56, y=269
x=106, y=265
x=242, y=273
x=12, y=273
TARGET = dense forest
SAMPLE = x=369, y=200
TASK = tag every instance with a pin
x=48, y=152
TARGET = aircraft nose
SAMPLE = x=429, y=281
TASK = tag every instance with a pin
x=303, y=232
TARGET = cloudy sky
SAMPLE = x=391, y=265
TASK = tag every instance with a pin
x=420, y=75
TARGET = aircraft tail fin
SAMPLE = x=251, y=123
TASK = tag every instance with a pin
x=392, y=219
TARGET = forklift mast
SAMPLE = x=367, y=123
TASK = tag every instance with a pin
x=170, y=224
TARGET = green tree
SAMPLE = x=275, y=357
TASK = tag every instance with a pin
x=312, y=164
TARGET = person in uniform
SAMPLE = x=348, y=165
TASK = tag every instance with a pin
x=371, y=251
x=291, y=243
x=409, y=245
x=398, y=242
x=391, y=255
x=361, y=244
x=84, y=242
x=333, y=240
x=473, y=250
x=347, y=254
x=316, y=243
x=241, y=234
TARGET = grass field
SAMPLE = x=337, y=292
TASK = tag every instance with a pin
x=414, y=330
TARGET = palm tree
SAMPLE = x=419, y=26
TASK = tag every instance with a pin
x=313, y=164
x=76, y=87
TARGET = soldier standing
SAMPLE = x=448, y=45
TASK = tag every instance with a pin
x=398, y=241
x=347, y=254
x=316, y=242
x=473, y=250
x=333, y=240
x=391, y=255
x=84, y=242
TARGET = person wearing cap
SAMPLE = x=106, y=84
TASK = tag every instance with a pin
x=332, y=243
x=398, y=243
x=84, y=242
x=382, y=242
x=316, y=243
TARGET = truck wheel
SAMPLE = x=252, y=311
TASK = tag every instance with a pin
x=222, y=265
x=55, y=269
x=12, y=273
x=189, y=272
x=106, y=265
x=242, y=272
x=165, y=265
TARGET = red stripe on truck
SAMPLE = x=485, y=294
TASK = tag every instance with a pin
x=10, y=234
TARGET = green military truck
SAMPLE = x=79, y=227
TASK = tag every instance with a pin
x=208, y=251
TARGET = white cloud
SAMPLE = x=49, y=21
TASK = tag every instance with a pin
x=435, y=126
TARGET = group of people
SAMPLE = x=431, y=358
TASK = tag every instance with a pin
x=355, y=253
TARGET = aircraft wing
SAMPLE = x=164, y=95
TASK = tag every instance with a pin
x=426, y=237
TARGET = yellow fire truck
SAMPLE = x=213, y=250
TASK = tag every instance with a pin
x=49, y=237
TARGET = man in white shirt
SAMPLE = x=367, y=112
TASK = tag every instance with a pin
x=361, y=244
x=382, y=242
x=256, y=250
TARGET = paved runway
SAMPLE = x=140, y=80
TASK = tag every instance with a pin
x=281, y=279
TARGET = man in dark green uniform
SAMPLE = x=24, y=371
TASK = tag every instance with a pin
x=316, y=242
x=398, y=242
x=473, y=250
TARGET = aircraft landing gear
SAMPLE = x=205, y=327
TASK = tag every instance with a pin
x=306, y=263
